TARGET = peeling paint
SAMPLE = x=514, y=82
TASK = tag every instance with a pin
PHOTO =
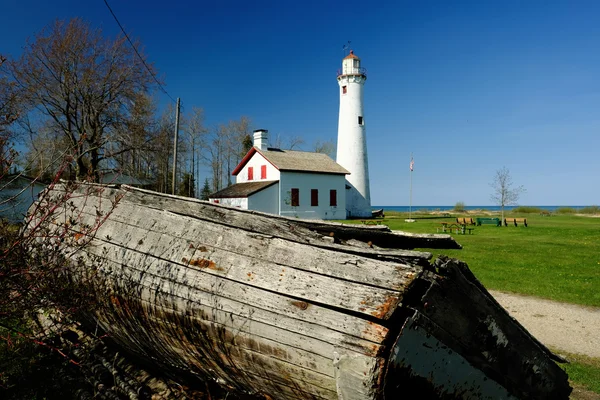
x=496, y=332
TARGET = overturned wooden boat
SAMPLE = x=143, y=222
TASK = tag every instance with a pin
x=378, y=213
x=291, y=309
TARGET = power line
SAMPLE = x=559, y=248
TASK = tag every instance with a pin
x=138, y=54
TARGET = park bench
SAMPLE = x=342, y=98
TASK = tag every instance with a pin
x=485, y=221
x=465, y=221
x=515, y=221
x=456, y=227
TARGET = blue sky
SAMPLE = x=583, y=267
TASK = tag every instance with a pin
x=467, y=87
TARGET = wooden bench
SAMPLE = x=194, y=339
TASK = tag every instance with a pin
x=465, y=221
x=515, y=221
x=451, y=226
x=485, y=221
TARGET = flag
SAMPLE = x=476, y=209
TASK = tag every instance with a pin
x=412, y=164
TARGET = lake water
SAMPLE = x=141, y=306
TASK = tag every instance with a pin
x=448, y=208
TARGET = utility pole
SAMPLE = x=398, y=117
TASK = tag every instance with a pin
x=175, y=147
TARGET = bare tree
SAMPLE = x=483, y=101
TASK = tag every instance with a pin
x=235, y=132
x=288, y=143
x=131, y=144
x=327, y=147
x=83, y=83
x=8, y=115
x=505, y=193
x=225, y=147
x=162, y=150
x=196, y=133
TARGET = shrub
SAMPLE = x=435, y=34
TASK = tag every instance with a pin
x=565, y=210
x=590, y=210
x=459, y=206
x=526, y=210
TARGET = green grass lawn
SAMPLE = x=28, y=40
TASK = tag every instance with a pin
x=555, y=257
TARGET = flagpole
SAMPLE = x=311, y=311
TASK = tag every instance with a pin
x=410, y=200
x=412, y=163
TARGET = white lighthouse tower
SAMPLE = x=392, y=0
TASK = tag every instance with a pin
x=352, y=140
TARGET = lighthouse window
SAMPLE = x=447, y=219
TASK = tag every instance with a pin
x=360, y=120
x=344, y=89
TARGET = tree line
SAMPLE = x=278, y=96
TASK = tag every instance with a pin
x=83, y=104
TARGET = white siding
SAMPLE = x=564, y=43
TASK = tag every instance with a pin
x=256, y=162
x=267, y=200
x=241, y=202
x=305, y=182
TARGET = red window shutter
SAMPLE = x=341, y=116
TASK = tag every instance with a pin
x=250, y=173
x=263, y=172
x=333, y=198
x=314, y=197
x=295, y=197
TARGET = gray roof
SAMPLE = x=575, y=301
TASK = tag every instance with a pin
x=242, y=189
x=290, y=160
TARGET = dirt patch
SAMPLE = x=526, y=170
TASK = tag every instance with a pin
x=583, y=394
x=569, y=327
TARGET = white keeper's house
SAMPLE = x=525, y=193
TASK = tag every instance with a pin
x=285, y=182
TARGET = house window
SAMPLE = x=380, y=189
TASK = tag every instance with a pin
x=344, y=89
x=250, y=173
x=263, y=172
x=216, y=201
x=295, y=197
x=360, y=120
x=333, y=198
x=314, y=197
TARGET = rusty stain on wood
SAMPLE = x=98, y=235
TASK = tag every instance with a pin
x=201, y=263
x=384, y=309
x=300, y=304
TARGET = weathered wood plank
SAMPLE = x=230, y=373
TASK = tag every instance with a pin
x=229, y=295
x=204, y=236
x=246, y=371
x=378, y=235
x=381, y=235
x=302, y=286
x=235, y=354
x=314, y=338
x=358, y=377
x=282, y=227
x=229, y=261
